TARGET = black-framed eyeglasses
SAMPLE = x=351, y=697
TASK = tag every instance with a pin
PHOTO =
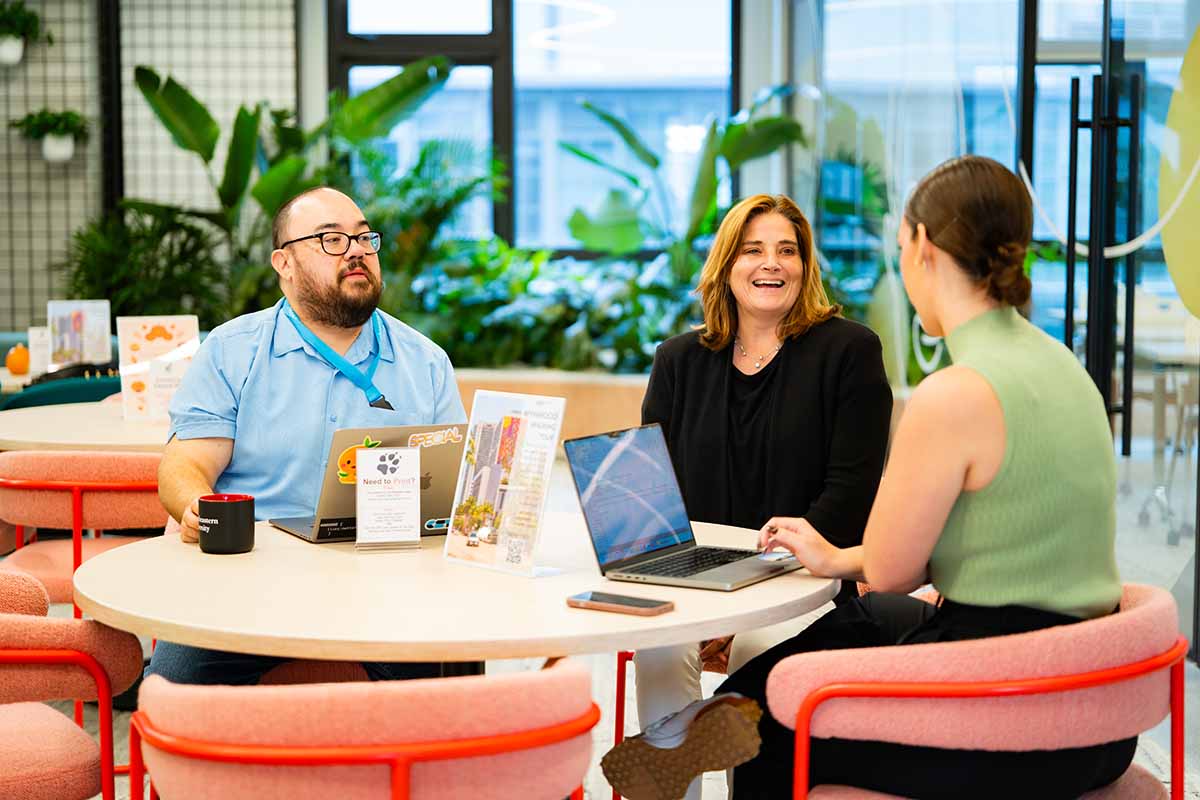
x=336, y=243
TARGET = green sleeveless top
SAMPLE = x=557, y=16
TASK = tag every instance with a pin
x=1041, y=534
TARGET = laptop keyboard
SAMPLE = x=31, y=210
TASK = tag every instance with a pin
x=690, y=562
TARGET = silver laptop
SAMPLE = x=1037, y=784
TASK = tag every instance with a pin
x=637, y=520
x=441, y=452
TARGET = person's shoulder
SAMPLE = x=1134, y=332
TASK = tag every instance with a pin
x=682, y=346
x=840, y=329
x=246, y=326
x=951, y=393
x=409, y=340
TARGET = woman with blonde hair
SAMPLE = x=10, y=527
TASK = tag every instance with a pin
x=776, y=405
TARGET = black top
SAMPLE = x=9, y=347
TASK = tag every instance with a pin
x=750, y=402
x=805, y=437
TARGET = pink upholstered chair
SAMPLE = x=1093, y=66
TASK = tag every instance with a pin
x=1108, y=676
x=46, y=756
x=502, y=736
x=77, y=490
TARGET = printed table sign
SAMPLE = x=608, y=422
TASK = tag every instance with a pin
x=504, y=478
x=388, y=498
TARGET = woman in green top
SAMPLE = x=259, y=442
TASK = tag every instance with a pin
x=1000, y=490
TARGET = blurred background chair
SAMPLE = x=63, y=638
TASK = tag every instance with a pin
x=959, y=694
x=75, y=490
x=65, y=390
x=45, y=756
x=500, y=736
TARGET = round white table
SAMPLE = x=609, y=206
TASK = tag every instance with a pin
x=78, y=426
x=290, y=598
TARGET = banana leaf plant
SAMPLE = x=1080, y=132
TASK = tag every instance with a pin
x=629, y=218
x=269, y=158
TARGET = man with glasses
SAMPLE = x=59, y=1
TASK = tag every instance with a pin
x=258, y=407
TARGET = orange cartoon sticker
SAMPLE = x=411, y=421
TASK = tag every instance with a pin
x=347, y=470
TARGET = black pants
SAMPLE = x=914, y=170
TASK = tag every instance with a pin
x=923, y=773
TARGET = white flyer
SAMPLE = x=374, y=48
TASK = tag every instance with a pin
x=39, y=351
x=504, y=479
x=388, y=498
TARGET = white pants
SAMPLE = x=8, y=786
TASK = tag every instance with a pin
x=668, y=678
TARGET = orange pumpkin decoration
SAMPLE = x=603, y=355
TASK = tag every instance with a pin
x=17, y=360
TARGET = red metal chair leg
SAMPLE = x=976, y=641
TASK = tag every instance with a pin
x=623, y=659
x=1177, y=731
x=19, y=534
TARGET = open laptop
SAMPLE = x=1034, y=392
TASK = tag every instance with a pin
x=637, y=520
x=441, y=452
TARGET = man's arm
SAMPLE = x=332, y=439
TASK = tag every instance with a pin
x=188, y=469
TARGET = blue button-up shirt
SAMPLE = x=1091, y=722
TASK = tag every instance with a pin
x=255, y=381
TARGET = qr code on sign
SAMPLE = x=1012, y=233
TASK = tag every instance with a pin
x=516, y=550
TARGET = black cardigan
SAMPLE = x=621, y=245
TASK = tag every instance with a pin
x=832, y=410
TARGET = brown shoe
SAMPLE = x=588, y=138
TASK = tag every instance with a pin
x=723, y=734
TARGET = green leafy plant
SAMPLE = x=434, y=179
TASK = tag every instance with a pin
x=37, y=125
x=269, y=160
x=147, y=263
x=631, y=218
x=17, y=20
x=488, y=305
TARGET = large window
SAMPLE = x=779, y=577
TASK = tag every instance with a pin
x=524, y=70
x=662, y=67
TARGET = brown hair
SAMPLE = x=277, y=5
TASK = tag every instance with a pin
x=980, y=213
x=720, y=309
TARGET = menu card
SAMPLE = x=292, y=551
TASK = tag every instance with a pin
x=504, y=479
x=39, y=351
x=154, y=353
x=387, y=495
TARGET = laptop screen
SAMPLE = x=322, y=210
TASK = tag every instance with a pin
x=628, y=492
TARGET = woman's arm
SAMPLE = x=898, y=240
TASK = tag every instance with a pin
x=950, y=438
x=858, y=444
x=660, y=393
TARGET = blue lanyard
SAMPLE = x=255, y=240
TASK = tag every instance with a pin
x=359, y=379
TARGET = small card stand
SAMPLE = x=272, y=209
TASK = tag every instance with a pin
x=388, y=499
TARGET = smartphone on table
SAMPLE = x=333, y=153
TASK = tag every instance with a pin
x=620, y=603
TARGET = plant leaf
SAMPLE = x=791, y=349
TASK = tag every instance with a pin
x=217, y=218
x=746, y=141
x=614, y=229
x=379, y=109
x=280, y=183
x=595, y=159
x=631, y=139
x=763, y=96
x=239, y=160
x=184, y=117
x=704, y=190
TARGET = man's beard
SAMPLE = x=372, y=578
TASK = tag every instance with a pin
x=330, y=305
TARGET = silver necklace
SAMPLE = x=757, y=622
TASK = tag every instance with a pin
x=759, y=361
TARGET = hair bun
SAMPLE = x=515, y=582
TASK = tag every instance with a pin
x=1005, y=274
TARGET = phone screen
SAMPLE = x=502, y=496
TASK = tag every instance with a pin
x=619, y=599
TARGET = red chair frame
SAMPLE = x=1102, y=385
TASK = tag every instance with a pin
x=1172, y=658
x=398, y=757
x=103, y=698
x=76, y=488
x=623, y=659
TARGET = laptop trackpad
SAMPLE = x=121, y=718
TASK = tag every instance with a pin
x=751, y=568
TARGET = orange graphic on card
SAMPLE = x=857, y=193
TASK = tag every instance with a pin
x=347, y=469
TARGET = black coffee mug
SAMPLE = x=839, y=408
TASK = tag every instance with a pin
x=227, y=523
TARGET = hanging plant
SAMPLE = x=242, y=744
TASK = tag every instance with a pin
x=18, y=25
x=56, y=130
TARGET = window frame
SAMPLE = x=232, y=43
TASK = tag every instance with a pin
x=495, y=50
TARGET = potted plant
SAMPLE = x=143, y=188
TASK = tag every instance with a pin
x=57, y=131
x=18, y=25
